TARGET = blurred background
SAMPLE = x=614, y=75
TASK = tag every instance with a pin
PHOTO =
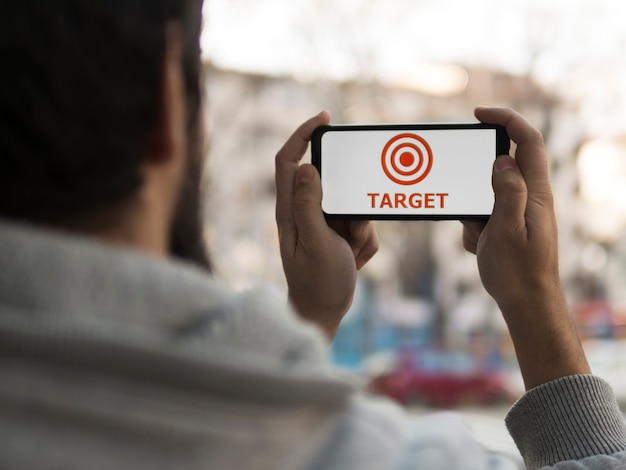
x=422, y=330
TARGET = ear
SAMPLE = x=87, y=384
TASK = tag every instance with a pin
x=168, y=139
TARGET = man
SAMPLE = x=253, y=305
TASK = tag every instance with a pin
x=113, y=354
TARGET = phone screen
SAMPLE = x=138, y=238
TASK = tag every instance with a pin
x=431, y=173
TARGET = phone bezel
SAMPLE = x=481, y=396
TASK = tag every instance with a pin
x=503, y=145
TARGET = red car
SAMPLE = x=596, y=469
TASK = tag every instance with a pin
x=443, y=384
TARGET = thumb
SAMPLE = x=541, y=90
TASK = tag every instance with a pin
x=510, y=191
x=307, y=200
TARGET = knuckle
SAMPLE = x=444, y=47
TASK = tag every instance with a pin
x=302, y=201
x=516, y=184
x=513, y=182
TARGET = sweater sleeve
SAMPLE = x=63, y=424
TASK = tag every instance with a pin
x=570, y=423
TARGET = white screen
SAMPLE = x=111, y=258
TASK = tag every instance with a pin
x=456, y=182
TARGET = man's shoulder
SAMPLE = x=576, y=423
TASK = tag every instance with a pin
x=114, y=308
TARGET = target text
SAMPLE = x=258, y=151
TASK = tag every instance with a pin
x=405, y=201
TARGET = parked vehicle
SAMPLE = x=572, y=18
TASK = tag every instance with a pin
x=441, y=379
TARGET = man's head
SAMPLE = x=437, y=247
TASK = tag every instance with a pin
x=99, y=116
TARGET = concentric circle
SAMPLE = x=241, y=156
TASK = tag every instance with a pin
x=407, y=159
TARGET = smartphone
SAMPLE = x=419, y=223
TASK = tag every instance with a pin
x=408, y=171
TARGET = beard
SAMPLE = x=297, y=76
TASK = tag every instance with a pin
x=187, y=228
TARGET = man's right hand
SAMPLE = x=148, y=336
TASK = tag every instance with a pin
x=320, y=259
x=517, y=252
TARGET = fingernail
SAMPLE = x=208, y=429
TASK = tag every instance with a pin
x=505, y=162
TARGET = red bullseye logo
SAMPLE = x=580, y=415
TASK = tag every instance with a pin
x=407, y=159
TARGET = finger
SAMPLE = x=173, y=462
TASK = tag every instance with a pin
x=296, y=145
x=357, y=234
x=311, y=228
x=511, y=194
x=530, y=154
x=364, y=241
x=472, y=229
x=287, y=161
x=368, y=252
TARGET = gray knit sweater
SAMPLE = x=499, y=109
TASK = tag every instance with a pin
x=114, y=360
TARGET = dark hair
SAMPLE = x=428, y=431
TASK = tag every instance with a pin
x=79, y=97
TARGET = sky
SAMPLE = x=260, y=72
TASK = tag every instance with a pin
x=575, y=47
x=339, y=38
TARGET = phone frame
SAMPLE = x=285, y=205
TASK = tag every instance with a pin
x=503, y=146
